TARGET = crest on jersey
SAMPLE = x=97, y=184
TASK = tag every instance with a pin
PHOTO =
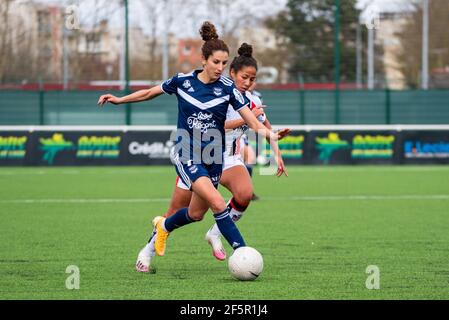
x=238, y=96
x=186, y=84
x=218, y=91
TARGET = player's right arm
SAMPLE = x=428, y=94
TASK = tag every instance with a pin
x=138, y=96
x=170, y=86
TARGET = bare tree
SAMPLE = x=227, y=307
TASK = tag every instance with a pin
x=4, y=39
x=153, y=10
x=160, y=18
x=86, y=56
x=411, y=42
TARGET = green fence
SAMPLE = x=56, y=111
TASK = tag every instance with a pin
x=284, y=107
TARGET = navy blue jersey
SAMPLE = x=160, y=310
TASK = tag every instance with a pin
x=202, y=110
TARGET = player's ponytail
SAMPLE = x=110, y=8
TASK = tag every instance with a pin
x=212, y=43
x=245, y=58
x=245, y=50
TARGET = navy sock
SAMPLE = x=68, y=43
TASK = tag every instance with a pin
x=179, y=219
x=229, y=230
x=250, y=169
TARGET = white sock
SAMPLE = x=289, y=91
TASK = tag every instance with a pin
x=149, y=250
x=235, y=215
x=214, y=231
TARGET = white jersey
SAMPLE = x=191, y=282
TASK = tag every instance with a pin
x=233, y=135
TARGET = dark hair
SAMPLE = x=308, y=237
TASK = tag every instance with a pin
x=245, y=58
x=212, y=43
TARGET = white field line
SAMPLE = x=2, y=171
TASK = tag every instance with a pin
x=80, y=172
x=268, y=198
x=361, y=197
x=305, y=169
x=81, y=201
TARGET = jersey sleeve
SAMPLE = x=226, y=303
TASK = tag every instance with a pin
x=170, y=86
x=237, y=100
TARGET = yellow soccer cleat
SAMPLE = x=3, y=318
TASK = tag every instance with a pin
x=161, y=236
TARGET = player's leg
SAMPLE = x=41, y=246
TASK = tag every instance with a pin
x=180, y=198
x=218, y=206
x=205, y=196
x=237, y=180
x=188, y=174
x=250, y=158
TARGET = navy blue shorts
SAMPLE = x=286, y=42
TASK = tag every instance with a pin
x=189, y=173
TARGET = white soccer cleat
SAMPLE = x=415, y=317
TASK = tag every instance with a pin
x=143, y=263
x=218, y=250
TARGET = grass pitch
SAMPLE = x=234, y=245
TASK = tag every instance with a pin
x=318, y=231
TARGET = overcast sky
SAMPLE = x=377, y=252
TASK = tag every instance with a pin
x=187, y=27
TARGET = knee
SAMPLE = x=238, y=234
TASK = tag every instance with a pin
x=243, y=197
x=196, y=215
x=217, y=205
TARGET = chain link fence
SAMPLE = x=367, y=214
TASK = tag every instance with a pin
x=320, y=62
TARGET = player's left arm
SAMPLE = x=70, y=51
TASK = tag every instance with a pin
x=272, y=137
x=282, y=133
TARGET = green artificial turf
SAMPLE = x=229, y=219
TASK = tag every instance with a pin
x=318, y=231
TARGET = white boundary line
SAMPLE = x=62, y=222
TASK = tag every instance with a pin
x=396, y=127
x=87, y=128
x=292, y=198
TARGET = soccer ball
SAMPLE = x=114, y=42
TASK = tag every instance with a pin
x=245, y=264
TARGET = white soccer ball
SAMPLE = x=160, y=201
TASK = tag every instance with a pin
x=245, y=263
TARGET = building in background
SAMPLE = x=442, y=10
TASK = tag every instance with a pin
x=33, y=33
x=386, y=37
x=272, y=67
x=189, y=54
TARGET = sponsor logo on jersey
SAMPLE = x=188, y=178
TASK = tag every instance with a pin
x=238, y=96
x=201, y=121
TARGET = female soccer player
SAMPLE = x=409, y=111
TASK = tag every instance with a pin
x=235, y=176
x=203, y=99
x=249, y=155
